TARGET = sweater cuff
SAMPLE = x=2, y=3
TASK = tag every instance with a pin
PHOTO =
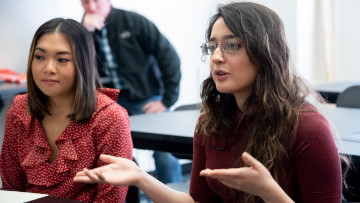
x=167, y=103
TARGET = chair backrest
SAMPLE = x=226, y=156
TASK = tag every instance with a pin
x=188, y=107
x=349, y=98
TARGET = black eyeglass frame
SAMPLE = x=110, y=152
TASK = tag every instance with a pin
x=217, y=45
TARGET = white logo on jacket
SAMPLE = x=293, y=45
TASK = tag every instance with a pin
x=125, y=34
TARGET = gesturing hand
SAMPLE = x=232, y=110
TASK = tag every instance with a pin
x=119, y=172
x=255, y=180
x=93, y=21
x=154, y=107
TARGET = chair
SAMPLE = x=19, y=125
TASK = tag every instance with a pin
x=349, y=98
x=351, y=194
x=133, y=195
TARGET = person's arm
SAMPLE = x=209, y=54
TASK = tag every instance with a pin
x=120, y=171
x=123, y=172
x=112, y=138
x=12, y=175
x=168, y=60
x=317, y=161
x=319, y=173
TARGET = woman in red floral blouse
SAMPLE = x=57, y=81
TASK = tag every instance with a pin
x=64, y=123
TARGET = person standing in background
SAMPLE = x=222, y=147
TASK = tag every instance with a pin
x=140, y=62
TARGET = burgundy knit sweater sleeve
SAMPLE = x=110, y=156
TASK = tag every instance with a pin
x=316, y=159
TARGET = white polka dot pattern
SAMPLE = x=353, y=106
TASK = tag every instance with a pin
x=25, y=150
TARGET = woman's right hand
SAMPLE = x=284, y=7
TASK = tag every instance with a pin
x=118, y=172
x=123, y=172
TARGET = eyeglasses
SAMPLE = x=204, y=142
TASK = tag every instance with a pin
x=228, y=46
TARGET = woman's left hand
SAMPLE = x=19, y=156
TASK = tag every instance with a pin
x=255, y=180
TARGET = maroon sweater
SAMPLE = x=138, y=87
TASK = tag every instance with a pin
x=311, y=174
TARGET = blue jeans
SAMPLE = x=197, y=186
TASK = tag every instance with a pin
x=167, y=166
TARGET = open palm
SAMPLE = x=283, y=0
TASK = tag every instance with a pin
x=255, y=179
x=119, y=172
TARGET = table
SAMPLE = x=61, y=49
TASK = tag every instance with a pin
x=53, y=199
x=47, y=199
x=331, y=91
x=173, y=131
x=347, y=124
x=170, y=131
x=9, y=90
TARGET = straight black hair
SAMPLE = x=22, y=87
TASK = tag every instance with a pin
x=87, y=78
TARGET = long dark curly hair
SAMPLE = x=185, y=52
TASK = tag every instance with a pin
x=278, y=91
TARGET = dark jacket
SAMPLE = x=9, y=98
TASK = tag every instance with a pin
x=147, y=62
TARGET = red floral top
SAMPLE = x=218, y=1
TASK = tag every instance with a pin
x=23, y=165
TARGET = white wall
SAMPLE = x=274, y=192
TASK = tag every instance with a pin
x=347, y=40
x=182, y=22
x=287, y=10
x=19, y=20
x=310, y=43
x=306, y=39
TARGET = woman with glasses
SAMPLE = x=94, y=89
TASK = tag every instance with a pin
x=260, y=136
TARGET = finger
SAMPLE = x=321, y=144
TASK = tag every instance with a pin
x=157, y=107
x=90, y=174
x=219, y=173
x=94, y=21
x=160, y=109
x=94, y=17
x=227, y=173
x=251, y=161
x=99, y=25
x=82, y=179
x=80, y=173
x=100, y=176
x=108, y=159
x=99, y=17
x=147, y=106
x=153, y=109
x=150, y=109
x=205, y=172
